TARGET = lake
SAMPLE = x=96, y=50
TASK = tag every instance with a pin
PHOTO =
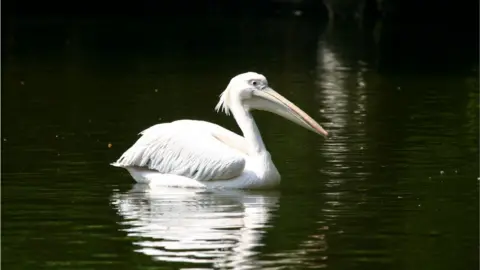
x=394, y=187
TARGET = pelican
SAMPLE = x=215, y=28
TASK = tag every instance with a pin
x=199, y=154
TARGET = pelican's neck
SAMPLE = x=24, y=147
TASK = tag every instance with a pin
x=249, y=128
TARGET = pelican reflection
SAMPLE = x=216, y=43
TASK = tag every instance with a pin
x=220, y=228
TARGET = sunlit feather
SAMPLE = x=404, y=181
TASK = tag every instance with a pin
x=170, y=148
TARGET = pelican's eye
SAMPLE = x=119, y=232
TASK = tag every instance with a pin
x=259, y=84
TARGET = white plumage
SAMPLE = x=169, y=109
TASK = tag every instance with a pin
x=192, y=153
x=186, y=147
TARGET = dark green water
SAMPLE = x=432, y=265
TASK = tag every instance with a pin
x=395, y=187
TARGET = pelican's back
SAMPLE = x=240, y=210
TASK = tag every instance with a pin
x=189, y=148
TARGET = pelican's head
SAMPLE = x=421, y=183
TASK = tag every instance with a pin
x=251, y=91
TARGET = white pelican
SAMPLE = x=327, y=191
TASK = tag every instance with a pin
x=199, y=154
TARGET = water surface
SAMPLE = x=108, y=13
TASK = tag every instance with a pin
x=395, y=187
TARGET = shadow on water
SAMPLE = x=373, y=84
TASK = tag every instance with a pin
x=394, y=187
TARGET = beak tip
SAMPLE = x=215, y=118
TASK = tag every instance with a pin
x=323, y=132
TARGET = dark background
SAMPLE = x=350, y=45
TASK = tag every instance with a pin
x=414, y=35
x=449, y=12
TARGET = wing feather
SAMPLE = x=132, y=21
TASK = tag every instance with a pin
x=188, y=148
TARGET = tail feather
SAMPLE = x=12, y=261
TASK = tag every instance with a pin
x=116, y=164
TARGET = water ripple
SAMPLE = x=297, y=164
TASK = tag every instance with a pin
x=219, y=228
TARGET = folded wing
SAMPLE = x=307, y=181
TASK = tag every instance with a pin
x=193, y=149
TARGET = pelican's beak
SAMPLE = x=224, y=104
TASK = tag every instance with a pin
x=269, y=100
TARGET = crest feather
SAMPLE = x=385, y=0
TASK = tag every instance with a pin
x=223, y=102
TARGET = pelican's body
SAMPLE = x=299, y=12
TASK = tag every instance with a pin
x=199, y=154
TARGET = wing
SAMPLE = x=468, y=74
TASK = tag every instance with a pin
x=193, y=149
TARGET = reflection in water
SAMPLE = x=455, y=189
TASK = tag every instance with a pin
x=221, y=228
x=341, y=83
